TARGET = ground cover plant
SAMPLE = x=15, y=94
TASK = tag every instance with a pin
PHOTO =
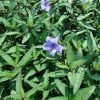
x=49, y=49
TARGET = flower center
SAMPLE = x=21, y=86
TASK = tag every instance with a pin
x=53, y=45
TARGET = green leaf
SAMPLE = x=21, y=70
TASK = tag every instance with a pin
x=60, y=65
x=57, y=74
x=70, y=1
x=77, y=63
x=2, y=39
x=3, y=73
x=25, y=38
x=76, y=79
x=59, y=98
x=46, y=81
x=70, y=54
x=61, y=19
x=79, y=54
x=81, y=17
x=11, y=50
x=32, y=83
x=30, y=73
x=3, y=79
x=7, y=58
x=69, y=37
x=93, y=76
x=84, y=93
x=15, y=71
x=12, y=33
x=62, y=87
x=68, y=7
x=45, y=95
x=91, y=42
x=26, y=58
x=17, y=53
x=5, y=22
x=30, y=19
x=19, y=85
x=32, y=92
x=85, y=5
x=47, y=23
x=83, y=24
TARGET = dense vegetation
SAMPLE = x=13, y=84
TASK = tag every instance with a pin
x=27, y=72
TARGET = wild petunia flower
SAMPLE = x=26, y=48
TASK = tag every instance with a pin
x=52, y=46
x=45, y=5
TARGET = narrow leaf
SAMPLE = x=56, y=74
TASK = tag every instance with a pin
x=70, y=54
x=7, y=58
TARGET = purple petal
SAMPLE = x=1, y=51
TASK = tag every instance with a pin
x=45, y=5
x=55, y=40
x=42, y=6
x=48, y=38
x=59, y=49
x=47, y=8
x=46, y=46
x=52, y=52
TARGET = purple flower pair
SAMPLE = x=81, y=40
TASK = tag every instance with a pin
x=45, y=5
x=52, y=46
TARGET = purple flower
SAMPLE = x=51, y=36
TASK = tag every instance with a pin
x=45, y=5
x=52, y=46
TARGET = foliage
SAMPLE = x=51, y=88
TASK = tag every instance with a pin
x=27, y=72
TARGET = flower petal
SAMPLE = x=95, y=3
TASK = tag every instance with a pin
x=42, y=6
x=45, y=5
x=46, y=46
x=52, y=53
x=55, y=40
x=59, y=49
x=47, y=8
x=48, y=38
